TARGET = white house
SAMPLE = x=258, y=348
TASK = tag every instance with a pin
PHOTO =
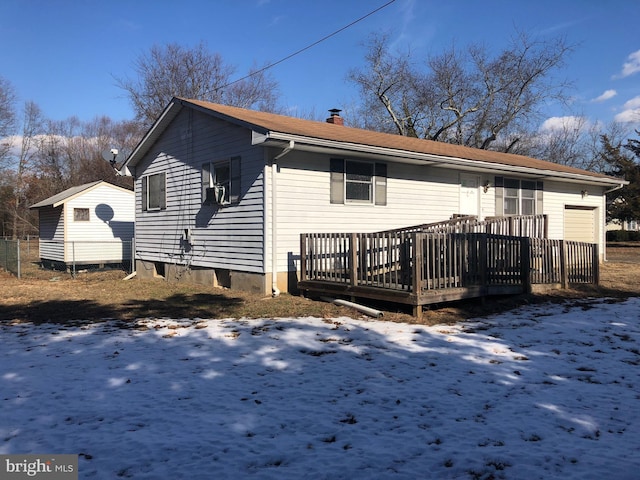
x=223, y=193
x=87, y=224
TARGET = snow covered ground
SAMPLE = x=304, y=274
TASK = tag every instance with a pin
x=547, y=391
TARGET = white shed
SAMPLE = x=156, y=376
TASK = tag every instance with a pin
x=86, y=225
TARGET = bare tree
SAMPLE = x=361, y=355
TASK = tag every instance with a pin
x=387, y=88
x=31, y=127
x=69, y=152
x=176, y=71
x=467, y=98
x=7, y=116
x=565, y=143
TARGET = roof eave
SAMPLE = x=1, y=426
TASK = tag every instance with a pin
x=167, y=115
x=65, y=198
x=406, y=156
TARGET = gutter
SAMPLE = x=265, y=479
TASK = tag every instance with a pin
x=274, y=217
x=424, y=158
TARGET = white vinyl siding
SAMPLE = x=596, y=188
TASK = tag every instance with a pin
x=558, y=196
x=106, y=237
x=414, y=195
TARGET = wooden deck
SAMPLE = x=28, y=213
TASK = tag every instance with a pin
x=414, y=267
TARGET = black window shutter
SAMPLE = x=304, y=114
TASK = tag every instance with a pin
x=145, y=201
x=380, y=172
x=539, y=195
x=499, y=187
x=337, y=180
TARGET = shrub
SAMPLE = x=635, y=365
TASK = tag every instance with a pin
x=623, y=236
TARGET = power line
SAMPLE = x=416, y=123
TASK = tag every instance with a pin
x=271, y=65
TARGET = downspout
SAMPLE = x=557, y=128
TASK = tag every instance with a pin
x=617, y=187
x=274, y=220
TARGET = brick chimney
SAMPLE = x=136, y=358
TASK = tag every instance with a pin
x=335, y=117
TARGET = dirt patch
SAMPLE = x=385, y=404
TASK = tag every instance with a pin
x=46, y=296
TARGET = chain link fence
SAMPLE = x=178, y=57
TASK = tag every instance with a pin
x=10, y=256
x=30, y=254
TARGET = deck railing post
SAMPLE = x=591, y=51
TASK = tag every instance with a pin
x=303, y=257
x=73, y=258
x=353, y=259
x=596, y=264
x=525, y=263
x=418, y=240
x=564, y=262
x=483, y=264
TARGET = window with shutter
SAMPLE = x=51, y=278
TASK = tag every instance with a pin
x=358, y=182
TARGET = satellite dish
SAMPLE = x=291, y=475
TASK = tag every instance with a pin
x=113, y=156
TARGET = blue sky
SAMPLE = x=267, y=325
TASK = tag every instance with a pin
x=64, y=55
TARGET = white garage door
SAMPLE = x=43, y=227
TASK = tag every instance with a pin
x=580, y=224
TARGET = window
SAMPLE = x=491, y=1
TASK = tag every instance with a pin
x=154, y=192
x=358, y=182
x=221, y=182
x=80, y=214
x=518, y=197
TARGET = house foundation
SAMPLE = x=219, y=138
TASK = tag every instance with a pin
x=213, y=277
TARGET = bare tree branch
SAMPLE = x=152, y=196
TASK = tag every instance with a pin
x=176, y=71
x=466, y=98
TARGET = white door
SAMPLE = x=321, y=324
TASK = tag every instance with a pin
x=580, y=224
x=469, y=194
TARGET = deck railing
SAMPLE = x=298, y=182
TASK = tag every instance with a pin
x=417, y=262
x=533, y=226
x=372, y=259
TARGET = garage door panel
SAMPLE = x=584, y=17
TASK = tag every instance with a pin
x=579, y=224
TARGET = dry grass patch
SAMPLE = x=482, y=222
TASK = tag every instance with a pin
x=46, y=296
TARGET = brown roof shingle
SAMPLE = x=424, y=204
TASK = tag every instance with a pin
x=327, y=131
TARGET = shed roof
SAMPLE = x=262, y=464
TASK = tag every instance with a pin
x=66, y=195
x=274, y=128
